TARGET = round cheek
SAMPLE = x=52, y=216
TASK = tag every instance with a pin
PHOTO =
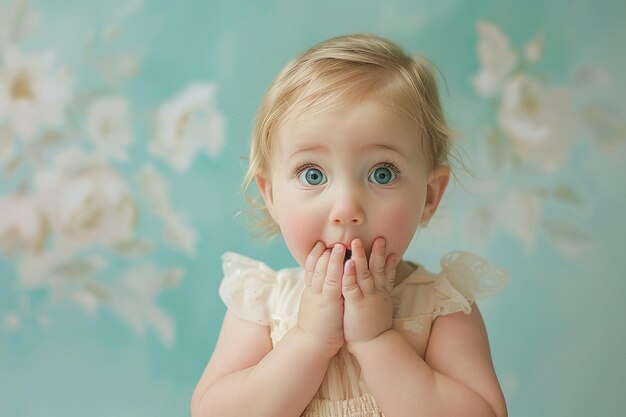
x=299, y=233
x=398, y=227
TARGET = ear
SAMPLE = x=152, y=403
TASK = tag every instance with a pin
x=264, y=185
x=437, y=183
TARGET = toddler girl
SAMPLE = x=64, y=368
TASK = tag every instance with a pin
x=350, y=155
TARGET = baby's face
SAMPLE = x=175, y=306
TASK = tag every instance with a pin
x=350, y=172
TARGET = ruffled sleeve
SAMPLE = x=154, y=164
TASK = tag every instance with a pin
x=247, y=288
x=464, y=278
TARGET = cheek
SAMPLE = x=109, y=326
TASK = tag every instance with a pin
x=300, y=230
x=399, y=226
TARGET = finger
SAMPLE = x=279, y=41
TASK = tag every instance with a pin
x=311, y=261
x=390, y=272
x=363, y=275
x=377, y=263
x=332, y=282
x=317, y=282
x=349, y=287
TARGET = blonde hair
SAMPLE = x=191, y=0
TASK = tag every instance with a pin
x=348, y=69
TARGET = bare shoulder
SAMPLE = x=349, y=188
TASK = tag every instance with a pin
x=459, y=348
x=240, y=345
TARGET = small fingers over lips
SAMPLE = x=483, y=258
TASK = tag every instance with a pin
x=311, y=262
x=334, y=274
x=363, y=275
x=378, y=259
x=319, y=274
x=350, y=289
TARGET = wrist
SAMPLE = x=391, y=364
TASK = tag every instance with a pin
x=364, y=348
x=316, y=346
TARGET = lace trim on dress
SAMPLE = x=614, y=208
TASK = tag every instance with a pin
x=464, y=278
x=247, y=288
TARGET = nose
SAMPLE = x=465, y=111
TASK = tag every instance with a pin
x=347, y=208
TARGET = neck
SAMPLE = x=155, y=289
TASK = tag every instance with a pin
x=403, y=270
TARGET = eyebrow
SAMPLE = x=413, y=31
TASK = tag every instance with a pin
x=386, y=147
x=391, y=148
x=323, y=148
x=306, y=149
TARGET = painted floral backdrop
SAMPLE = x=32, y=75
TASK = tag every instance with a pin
x=534, y=129
x=72, y=192
x=122, y=131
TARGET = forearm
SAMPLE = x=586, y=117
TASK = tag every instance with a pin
x=282, y=384
x=404, y=385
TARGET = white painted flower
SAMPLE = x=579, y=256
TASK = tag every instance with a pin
x=177, y=232
x=519, y=213
x=539, y=122
x=108, y=127
x=132, y=295
x=17, y=21
x=7, y=147
x=533, y=51
x=608, y=129
x=567, y=237
x=67, y=274
x=62, y=269
x=86, y=201
x=22, y=224
x=496, y=58
x=153, y=188
x=187, y=124
x=33, y=93
x=134, y=299
x=593, y=78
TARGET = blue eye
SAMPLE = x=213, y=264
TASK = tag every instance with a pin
x=383, y=176
x=312, y=176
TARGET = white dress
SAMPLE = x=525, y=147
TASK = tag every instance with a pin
x=256, y=293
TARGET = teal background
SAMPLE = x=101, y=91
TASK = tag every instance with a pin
x=557, y=332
